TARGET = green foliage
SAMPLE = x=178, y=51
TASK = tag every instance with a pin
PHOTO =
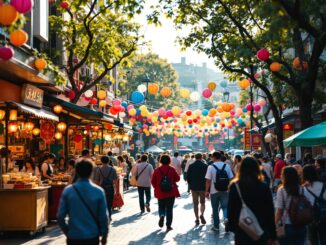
x=159, y=71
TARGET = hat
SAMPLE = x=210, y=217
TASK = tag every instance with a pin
x=319, y=157
x=279, y=156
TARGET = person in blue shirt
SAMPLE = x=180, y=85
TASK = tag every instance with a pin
x=85, y=206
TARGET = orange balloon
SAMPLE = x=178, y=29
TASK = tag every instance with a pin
x=297, y=64
x=8, y=15
x=275, y=67
x=166, y=92
x=18, y=38
x=40, y=64
x=153, y=88
x=243, y=84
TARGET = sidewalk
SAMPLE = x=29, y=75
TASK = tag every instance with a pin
x=129, y=227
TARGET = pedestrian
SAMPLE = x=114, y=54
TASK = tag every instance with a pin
x=196, y=180
x=183, y=166
x=143, y=172
x=257, y=196
x=236, y=163
x=315, y=192
x=164, y=181
x=267, y=166
x=279, y=165
x=190, y=161
x=106, y=177
x=294, y=234
x=112, y=158
x=176, y=163
x=151, y=160
x=218, y=177
x=85, y=205
x=321, y=168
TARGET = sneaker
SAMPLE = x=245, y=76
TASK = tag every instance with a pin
x=169, y=229
x=202, y=219
x=215, y=229
x=197, y=222
x=161, y=221
x=147, y=208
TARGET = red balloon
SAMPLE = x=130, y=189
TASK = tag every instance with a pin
x=64, y=5
x=88, y=127
x=22, y=6
x=122, y=109
x=116, y=107
x=109, y=126
x=93, y=101
x=169, y=113
x=77, y=138
x=6, y=53
x=248, y=107
x=188, y=113
x=71, y=94
x=263, y=54
x=113, y=111
x=189, y=121
x=195, y=120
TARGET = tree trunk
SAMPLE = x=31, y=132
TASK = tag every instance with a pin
x=278, y=127
x=305, y=110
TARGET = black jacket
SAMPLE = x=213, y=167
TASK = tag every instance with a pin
x=196, y=175
x=258, y=198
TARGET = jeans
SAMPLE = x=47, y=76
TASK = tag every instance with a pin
x=92, y=241
x=219, y=200
x=294, y=235
x=165, y=208
x=109, y=201
x=141, y=192
x=317, y=234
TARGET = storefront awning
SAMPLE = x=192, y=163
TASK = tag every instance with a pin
x=39, y=113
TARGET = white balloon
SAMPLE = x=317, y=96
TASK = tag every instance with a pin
x=195, y=96
x=268, y=138
x=88, y=93
x=122, y=114
x=141, y=88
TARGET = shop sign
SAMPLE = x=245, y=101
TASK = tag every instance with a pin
x=32, y=95
x=256, y=140
x=246, y=139
x=47, y=131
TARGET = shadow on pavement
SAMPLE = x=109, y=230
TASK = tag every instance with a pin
x=156, y=237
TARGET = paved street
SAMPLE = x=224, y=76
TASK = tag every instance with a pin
x=128, y=227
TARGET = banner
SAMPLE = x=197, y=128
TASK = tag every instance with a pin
x=256, y=140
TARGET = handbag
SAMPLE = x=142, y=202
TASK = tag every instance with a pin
x=134, y=178
x=248, y=221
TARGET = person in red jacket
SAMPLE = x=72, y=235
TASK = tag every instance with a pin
x=279, y=165
x=165, y=195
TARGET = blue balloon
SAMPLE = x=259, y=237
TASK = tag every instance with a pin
x=240, y=121
x=244, y=109
x=204, y=112
x=124, y=104
x=137, y=97
x=224, y=84
x=138, y=112
x=217, y=119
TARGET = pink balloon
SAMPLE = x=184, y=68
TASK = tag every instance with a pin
x=262, y=102
x=116, y=102
x=161, y=111
x=22, y=6
x=130, y=107
x=6, y=53
x=248, y=107
x=232, y=113
x=207, y=93
x=169, y=113
x=257, y=108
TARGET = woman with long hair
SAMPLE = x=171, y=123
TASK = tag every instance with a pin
x=257, y=196
x=294, y=234
x=236, y=163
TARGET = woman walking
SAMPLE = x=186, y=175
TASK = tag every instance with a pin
x=257, y=196
x=290, y=188
x=166, y=190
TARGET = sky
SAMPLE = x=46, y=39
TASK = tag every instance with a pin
x=163, y=42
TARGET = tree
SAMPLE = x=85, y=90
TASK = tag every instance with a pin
x=98, y=34
x=157, y=70
x=232, y=31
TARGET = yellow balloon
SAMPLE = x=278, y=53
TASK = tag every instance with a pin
x=101, y=94
x=144, y=113
x=102, y=103
x=184, y=93
x=132, y=112
x=211, y=86
x=176, y=110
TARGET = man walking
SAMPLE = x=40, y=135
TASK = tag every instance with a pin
x=85, y=205
x=106, y=177
x=217, y=180
x=176, y=163
x=143, y=173
x=196, y=180
x=112, y=158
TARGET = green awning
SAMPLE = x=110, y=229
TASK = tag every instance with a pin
x=313, y=136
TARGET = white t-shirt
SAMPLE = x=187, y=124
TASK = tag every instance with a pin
x=211, y=174
x=316, y=189
x=190, y=161
x=176, y=163
x=268, y=169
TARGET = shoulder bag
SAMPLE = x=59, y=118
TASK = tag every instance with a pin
x=248, y=221
x=134, y=178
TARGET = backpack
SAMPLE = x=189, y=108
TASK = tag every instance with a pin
x=319, y=206
x=107, y=183
x=222, y=179
x=300, y=210
x=165, y=184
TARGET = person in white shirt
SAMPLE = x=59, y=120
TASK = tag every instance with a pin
x=267, y=165
x=190, y=161
x=176, y=163
x=219, y=198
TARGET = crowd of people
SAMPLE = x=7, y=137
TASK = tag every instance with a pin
x=262, y=200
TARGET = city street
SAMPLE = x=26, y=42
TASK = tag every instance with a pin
x=128, y=227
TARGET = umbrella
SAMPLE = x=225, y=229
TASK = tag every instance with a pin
x=154, y=149
x=313, y=136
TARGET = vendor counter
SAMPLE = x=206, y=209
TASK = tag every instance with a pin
x=54, y=199
x=23, y=209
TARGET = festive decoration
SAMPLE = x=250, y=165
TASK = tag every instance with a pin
x=58, y=136
x=184, y=93
x=244, y=83
x=275, y=67
x=8, y=15
x=22, y=6
x=102, y=103
x=141, y=88
x=268, y=138
x=18, y=38
x=93, y=101
x=40, y=64
x=132, y=112
x=257, y=108
x=263, y=54
x=57, y=109
x=36, y=131
x=194, y=96
x=207, y=93
x=2, y=114
x=62, y=126
x=297, y=64
x=29, y=126
x=109, y=126
x=13, y=115
x=137, y=97
x=153, y=88
x=211, y=86
x=47, y=131
x=223, y=84
x=262, y=102
x=88, y=93
x=12, y=127
x=64, y=5
x=71, y=95
x=77, y=138
x=6, y=53
x=227, y=107
x=101, y=94
x=166, y=92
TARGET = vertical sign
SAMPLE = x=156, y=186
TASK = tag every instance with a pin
x=246, y=139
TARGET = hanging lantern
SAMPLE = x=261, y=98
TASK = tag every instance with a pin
x=211, y=86
x=207, y=93
x=70, y=131
x=184, y=93
x=12, y=127
x=109, y=126
x=166, y=92
x=297, y=64
x=88, y=93
x=58, y=136
x=101, y=94
x=57, y=109
x=6, y=53
x=263, y=54
x=243, y=84
x=8, y=15
x=40, y=64
x=2, y=114
x=62, y=126
x=22, y=6
x=153, y=88
x=77, y=138
x=29, y=126
x=13, y=115
x=96, y=128
x=36, y=131
x=18, y=38
x=268, y=138
x=102, y=103
x=64, y=5
x=275, y=67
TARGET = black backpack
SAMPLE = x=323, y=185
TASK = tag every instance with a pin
x=165, y=184
x=222, y=179
x=319, y=206
x=107, y=182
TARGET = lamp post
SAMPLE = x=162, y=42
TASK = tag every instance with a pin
x=226, y=97
x=253, y=70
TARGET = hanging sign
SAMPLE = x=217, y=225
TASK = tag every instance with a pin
x=47, y=131
x=32, y=95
